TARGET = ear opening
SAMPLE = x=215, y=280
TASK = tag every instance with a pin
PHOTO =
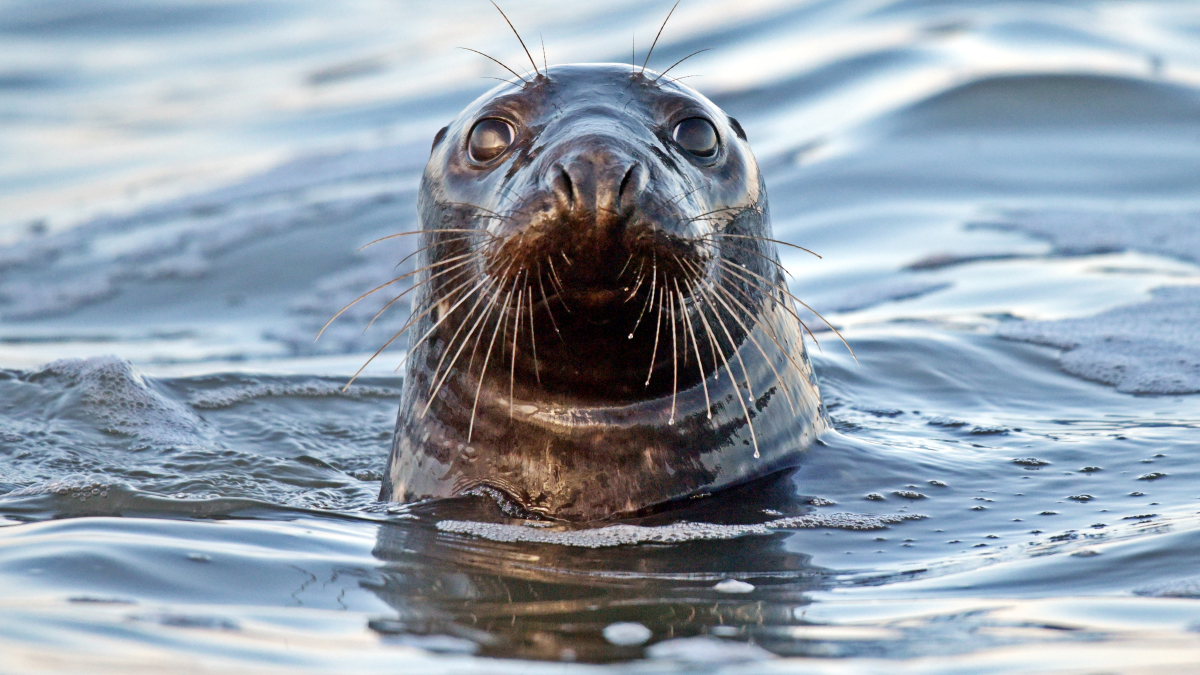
x=737, y=128
x=438, y=138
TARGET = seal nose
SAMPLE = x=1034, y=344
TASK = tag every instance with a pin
x=597, y=182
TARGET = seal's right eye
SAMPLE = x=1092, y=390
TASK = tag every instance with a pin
x=697, y=136
x=489, y=139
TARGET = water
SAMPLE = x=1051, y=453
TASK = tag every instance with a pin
x=1005, y=200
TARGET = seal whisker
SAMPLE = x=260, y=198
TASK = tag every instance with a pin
x=381, y=287
x=703, y=295
x=689, y=193
x=497, y=61
x=750, y=335
x=769, y=332
x=805, y=306
x=770, y=260
x=412, y=232
x=660, y=31
x=477, y=208
x=426, y=248
x=699, y=51
x=533, y=334
x=514, y=30
x=450, y=345
x=657, y=328
x=773, y=241
x=393, y=339
x=512, y=376
x=689, y=329
x=723, y=209
x=546, y=302
x=562, y=290
x=645, y=306
x=674, y=359
x=640, y=279
x=412, y=319
x=626, y=266
x=414, y=287
x=766, y=290
x=714, y=343
x=487, y=357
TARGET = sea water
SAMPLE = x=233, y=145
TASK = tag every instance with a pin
x=1006, y=199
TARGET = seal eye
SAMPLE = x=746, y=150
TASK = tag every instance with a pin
x=698, y=136
x=489, y=139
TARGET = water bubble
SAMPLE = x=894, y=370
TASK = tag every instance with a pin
x=627, y=633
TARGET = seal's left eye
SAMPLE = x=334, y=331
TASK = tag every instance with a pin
x=489, y=139
x=697, y=135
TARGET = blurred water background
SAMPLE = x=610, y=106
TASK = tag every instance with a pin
x=1007, y=198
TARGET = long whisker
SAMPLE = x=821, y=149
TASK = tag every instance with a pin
x=769, y=332
x=497, y=61
x=657, y=328
x=802, y=304
x=512, y=375
x=773, y=241
x=418, y=285
x=398, y=334
x=514, y=30
x=701, y=51
x=450, y=345
x=714, y=343
x=642, y=314
x=562, y=291
x=640, y=278
x=533, y=334
x=385, y=285
x=660, y=31
x=487, y=357
x=442, y=319
x=426, y=248
x=688, y=329
x=546, y=302
x=626, y=266
x=770, y=260
x=750, y=335
x=412, y=232
x=777, y=302
x=674, y=358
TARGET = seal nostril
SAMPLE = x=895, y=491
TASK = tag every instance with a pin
x=564, y=187
x=629, y=183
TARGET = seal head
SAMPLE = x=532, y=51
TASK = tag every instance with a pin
x=599, y=323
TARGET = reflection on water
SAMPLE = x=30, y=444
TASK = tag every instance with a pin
x=1004, y=197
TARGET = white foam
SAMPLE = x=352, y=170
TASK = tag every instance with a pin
x=121, y=401
x=707, y=650
x=225, y=397
x=621, y=535
x=733, y=586
x=1148, y=348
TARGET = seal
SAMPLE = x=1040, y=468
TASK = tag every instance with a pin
x=600, y=323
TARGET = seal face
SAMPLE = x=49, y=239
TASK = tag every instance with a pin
x=600, y=322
